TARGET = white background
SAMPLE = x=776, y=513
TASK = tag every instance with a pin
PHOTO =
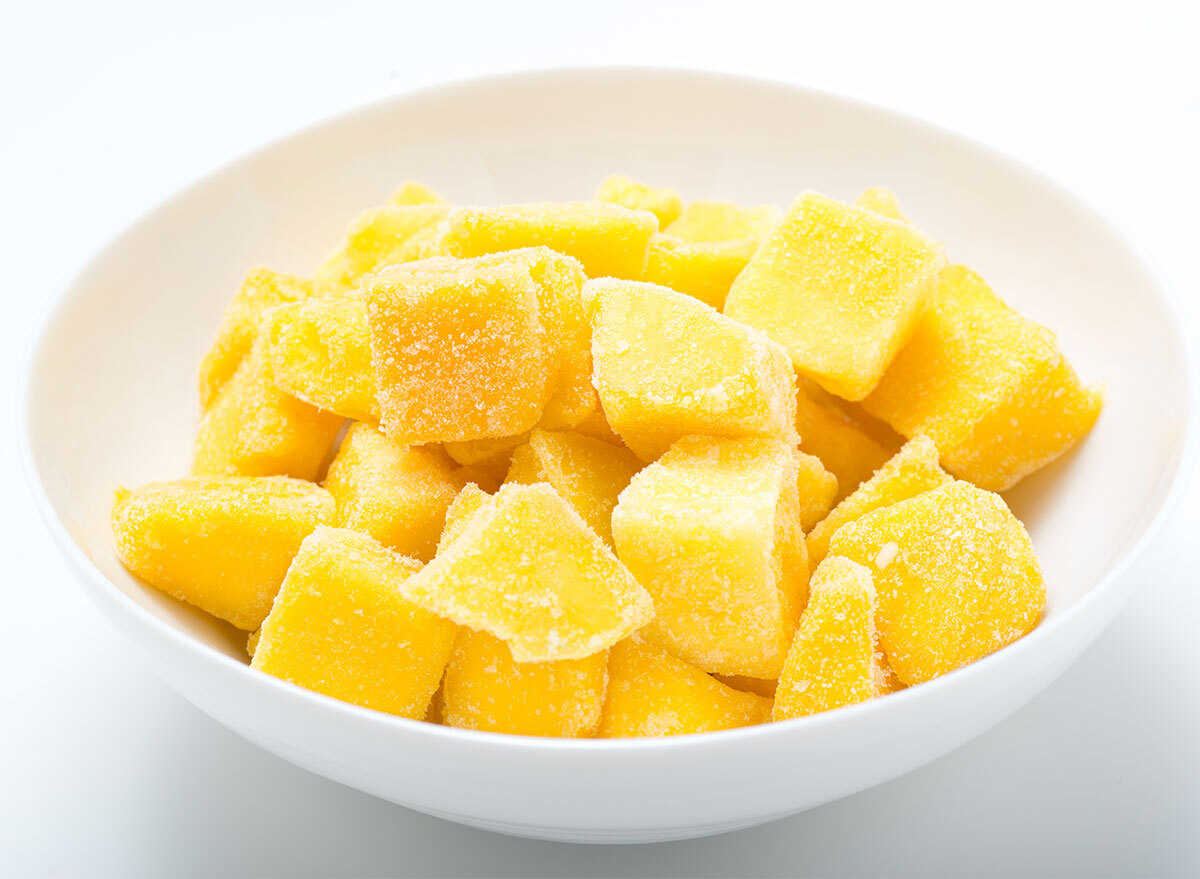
x=106, y=108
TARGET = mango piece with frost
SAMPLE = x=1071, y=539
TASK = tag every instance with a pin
x=703, y=269
x=705, y=220
x=881, y=201
x=380, y=237
x=845, y=446
x=664, y=203
x=222, y=543
x=816, y=489
x=412, y=192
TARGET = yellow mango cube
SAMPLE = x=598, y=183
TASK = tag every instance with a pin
x=712, y=531
x=461, y=349
x=380, y=237
x=840, y=288
x=340, y=627
x=990, y=387
x=412, y=192
x=881, y=201
x=609, y=240
x=394, y=493
x=764, y=687
x=652, y=693
x=488, y=456
x=486, y=689
x=816, y=489
x=911, y=471
x=320, y=352
x=956, y=578
x=832, y=661
x=705, y=220
x=588, y=473
x=261, y=290
x=664, y=203
x=667, y=366
x=253, y=428
x=222, y=543
x=526, y=568
x=844, y=446
x=466, y=503
x=704, y=269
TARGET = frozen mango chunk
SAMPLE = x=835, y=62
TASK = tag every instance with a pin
x=839, y=287
x=395, y=233
x=253, y=428
x=956, y=578
x=705, y=220
x=466, y=503
x=910, y=472
x=832, y=661
x=846, y=447
x=394, y=493
x=881, y=201
x=252, y=641
x=816, y=489
x=461, y=348
x=320, y=352
x=664, y=203
x=526, y=568
x=704, y=269
x=222, y=543
x=712, y=531
x=609, y=240
x=990, y=387
x=340, y=626
x=262, y=289
x=490, y=457
x=666, y=366
x=764, y=687
x=588, y=473
x=412, y=192
x=652, y=693
x=486, y=689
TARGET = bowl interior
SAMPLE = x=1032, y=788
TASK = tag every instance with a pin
x=113, y=397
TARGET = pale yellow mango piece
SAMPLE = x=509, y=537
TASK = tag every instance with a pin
x=704, y=269
x=609, y=240
x=816, y=489
x=706, y=220
x=466, y=503
x=764, y=687
x=527, y=569
x=261, y=290
x=652, y=693
x=340, y=627
x=486, y=689
x=664, y=203
x=588, y=473
x=380, y=237
x=991, y=388
x=911, y=471
x=394, y=493
x=222, y=543
x=412, y=192
x=667, y=366
x=881, y=201
x=832, y=661
x=712, y=531
x=253, y=428
x=956, y=578
x=844, y=445
x=840, y=288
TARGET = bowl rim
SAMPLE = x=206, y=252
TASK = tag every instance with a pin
x=113, y=600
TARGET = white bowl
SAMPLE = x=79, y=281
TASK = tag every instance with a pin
x=112, y=400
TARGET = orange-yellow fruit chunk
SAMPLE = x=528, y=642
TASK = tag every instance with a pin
x=832, y=661
x=667, y=366
x=412, y=192
x=910, y=472
x=705, y=220
x=340, y=627
x=652, y=693
x=712, y=531
x=847, y=449
x=394, y=493
x=764, y=687
x=609, y=240
x=588, y=473
x=461, y=348
x=395, y=233
x=262, y=289
x=956, y=578
x=320, y=352
x=662, y=202
x=840, y=287
x=989, y=387
x=704, y=269
x=222, y=543
x=596, y=426
x=253, y=428
x=881, y=201
x=486, y=689
x=816, y=489
x=526, y=568
x=252, y=642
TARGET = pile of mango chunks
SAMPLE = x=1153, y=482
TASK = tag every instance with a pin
x=612, y=468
